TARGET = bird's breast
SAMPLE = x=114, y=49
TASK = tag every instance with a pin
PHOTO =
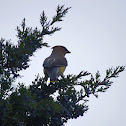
x=61, y=70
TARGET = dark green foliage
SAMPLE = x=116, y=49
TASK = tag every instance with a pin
x=43, y=104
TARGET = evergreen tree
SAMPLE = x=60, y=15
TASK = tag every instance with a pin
x=35, y=105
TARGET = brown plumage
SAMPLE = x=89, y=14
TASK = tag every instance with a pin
x=55, y=64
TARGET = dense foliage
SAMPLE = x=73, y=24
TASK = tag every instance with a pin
x=42, y=103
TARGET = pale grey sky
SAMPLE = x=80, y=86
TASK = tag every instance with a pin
x=95, y=32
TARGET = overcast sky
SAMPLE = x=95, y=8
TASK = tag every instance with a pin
x=95, y=33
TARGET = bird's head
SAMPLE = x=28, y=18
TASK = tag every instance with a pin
x=61, y=49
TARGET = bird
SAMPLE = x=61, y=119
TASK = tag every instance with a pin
x=55, y=64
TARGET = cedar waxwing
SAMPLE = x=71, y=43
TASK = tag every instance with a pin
x=55, y=64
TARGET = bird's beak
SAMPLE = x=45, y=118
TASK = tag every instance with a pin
x=68, y=51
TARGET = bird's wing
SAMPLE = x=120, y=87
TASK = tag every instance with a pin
x=52, y=73
x=52, y=61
